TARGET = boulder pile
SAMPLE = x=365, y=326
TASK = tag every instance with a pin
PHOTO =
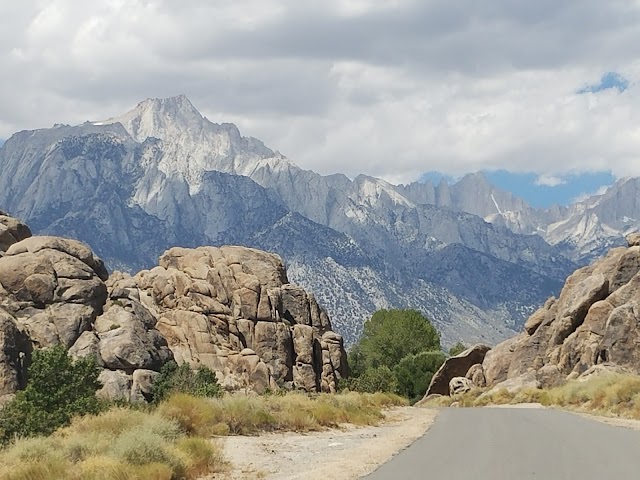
x=593, y=326
x=231, y=309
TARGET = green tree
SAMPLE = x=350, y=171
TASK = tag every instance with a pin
x=414, y=372
x=391, y=335
x=456, y=349
x=173, y=378
x=58, y=388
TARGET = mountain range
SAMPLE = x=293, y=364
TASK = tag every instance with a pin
x=475, y=259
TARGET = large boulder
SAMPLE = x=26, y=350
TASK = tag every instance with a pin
x=12, y=231
x=595, y=321
x=230, y=309
x=211, y=304
x=457, y=366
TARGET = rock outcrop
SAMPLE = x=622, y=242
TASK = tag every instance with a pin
x=593, y=326
x=456, y=366
x=230, y=309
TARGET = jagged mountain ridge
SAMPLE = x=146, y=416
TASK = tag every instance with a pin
x=583, y=231
x=163, y=175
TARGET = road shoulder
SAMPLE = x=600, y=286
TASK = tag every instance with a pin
x=345, y=454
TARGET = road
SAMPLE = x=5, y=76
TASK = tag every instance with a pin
x=517, y=444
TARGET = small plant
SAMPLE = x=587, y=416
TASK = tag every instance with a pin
x=58, y=388
x=182, y=379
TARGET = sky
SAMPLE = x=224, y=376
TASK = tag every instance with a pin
x=546, y=91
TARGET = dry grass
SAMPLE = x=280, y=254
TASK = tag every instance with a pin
x=120, y=444
x=246, y=415
x=171, y=443
x=611, y=394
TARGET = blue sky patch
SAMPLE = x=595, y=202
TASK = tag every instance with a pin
x=608, y=81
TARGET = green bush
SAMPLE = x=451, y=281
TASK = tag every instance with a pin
x=391, y=335
x=182, y=379
x=414, y=373
x=457, y=349
x=58, y=388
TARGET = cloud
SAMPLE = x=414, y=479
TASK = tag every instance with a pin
x=585, y=195
x=392, y=88
x=549, y=181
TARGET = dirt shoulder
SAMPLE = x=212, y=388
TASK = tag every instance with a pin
x=348, y=453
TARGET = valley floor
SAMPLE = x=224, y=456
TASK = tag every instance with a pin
x=348, y=453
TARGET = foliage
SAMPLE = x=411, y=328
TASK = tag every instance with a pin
x=414, y=372
x=247, y=415
x=119, y=444
x=457, y=349
x=373, y=379
x=182, y=379
x=58, y=388
x=399, y=352
x=390, y=335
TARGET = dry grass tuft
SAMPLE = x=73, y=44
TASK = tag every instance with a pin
x=611, y=394
x=120, y=444
x=171, y=442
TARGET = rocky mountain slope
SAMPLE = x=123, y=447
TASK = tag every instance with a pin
x=231, y=309
x=593, y=325
x=582, y=231
x=163, y=175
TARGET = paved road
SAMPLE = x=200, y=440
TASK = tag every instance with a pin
x=517, y=444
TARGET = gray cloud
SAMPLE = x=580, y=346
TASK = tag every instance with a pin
x=386, y=87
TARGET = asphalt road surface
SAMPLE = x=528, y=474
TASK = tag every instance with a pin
x=517, y=444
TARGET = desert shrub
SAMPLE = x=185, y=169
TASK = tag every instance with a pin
x=414, y=373
x=182, y=379
x=373, y=379
x=457, y=349
x=58, y=388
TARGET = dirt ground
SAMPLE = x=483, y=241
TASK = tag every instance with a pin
x=344, y=454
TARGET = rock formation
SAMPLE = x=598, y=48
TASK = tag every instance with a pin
x=594, y=325
x=455, y=367
x=230, y=309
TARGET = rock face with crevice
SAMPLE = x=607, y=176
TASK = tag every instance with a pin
x=595, y=321
x=231, y=309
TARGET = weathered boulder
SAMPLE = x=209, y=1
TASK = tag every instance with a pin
x=457, y=366
x=459, y=385
x=514, y=385
x=230, y=309
x=12, y=231
x=633, y=239
x=53, y=287
x=595, y=321
x=476, y=375
x=212, y=303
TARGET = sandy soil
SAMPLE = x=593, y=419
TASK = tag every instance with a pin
x=348, y=453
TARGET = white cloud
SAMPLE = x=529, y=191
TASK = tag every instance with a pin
x=586, y=195
x=391, y=88
x=549, y=181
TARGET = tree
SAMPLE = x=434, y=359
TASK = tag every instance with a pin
x=414, y=372
x=58, y=388
x=391, y=335
x=457, y=349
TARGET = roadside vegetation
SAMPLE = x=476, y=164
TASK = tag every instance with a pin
x=57, y=429
x=399, y=352
x=610, y=394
